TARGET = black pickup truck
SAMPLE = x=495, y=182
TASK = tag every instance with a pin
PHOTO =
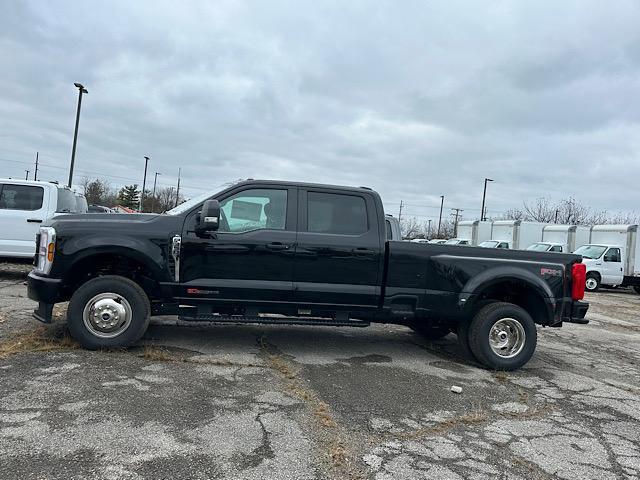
x=285, y=253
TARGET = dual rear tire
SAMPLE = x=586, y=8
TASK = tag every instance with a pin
x=501, y=336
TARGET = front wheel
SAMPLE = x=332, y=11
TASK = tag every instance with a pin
x=593, y=282
x=502, y=336
x=108, y=311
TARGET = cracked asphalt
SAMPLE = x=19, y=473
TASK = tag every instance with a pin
x=203, y=401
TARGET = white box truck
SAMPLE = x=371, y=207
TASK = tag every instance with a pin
x=473, y=231
x=562, y=238
x=612, y=257
x=516, y=234
x=24, y=205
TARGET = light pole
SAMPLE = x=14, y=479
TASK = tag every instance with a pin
x=144, y=184
x=153, y=198
x=81, y=90
x=440, y=219
x=429, y=230
x=484, y=195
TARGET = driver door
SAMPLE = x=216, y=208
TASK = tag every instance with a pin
x=612, y=273
x=250, y=257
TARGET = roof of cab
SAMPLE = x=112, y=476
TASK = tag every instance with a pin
x=303, y=184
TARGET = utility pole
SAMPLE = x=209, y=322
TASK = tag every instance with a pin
x=153, y=199
x=484, y=195
x=455, y=221
x=35, y=174
x=144, y=184
x=27, y=175
x=81, y=90
x=400, y=212
x=178, y=189
x=429, y=230
x=440, y=218
x=557, y=212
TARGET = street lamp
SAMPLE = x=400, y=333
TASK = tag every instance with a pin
x=153, y=199
x=440, y=219
x=81, y=90
x=144, y=184
x=484, y=195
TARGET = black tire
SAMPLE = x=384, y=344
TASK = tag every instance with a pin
x=127, y=293
x=595, y=281
x=429, y=332
x=637, y=289
x=520, y=325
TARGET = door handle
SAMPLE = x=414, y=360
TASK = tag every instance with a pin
x=34, y=220
x=277, y=246
x=598, y=264
x=363, y=251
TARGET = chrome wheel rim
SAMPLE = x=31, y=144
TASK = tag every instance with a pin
x=107, y=315
x=591, y=283
x=507, y=337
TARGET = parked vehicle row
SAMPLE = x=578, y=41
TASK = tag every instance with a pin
x=25, y=205
x=283, y=252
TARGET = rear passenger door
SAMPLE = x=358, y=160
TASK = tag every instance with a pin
x=22, y=209
x=339, y=253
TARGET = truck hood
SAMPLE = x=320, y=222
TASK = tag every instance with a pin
x=115, y=223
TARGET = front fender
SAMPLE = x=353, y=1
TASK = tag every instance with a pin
x=151, y=255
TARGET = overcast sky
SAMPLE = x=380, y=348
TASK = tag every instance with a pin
x=415, y=99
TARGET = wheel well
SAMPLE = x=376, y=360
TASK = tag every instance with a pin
x=518, y=293
x=110, y=264
x=593, y=273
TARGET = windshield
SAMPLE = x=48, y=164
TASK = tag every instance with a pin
x=590, y=251
x=66, y=201
x=489, y=244
x=189, y=204
x=539, y=247
x=452, y=241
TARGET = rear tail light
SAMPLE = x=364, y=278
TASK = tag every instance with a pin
x=46, y=249
x=579, y=277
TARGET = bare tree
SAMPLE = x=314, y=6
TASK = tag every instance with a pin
x=411, y=228
x=97, y=192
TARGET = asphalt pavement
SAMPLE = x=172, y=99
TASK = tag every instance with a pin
x=203, y=401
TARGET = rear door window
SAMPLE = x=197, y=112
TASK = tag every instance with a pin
x=337, y=214
x=21, y=197
x=66, y=201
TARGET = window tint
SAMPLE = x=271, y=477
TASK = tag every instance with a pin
x=254, y=209
x=387, y=226
x=556, y=248
x=613, y=255
x=21, y=197
x=503, y=245
x=336, y=213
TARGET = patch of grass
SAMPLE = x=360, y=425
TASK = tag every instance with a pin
x=45, y=338
x=523, y=396
x=501, y=376
x=156, y=354
x=159, y=354
x=321, y=412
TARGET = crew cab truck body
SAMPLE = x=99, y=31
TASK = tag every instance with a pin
x=24, y=206
x=281, y=252
x=613, y=257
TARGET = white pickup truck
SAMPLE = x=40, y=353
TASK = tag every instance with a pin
x=24, y=205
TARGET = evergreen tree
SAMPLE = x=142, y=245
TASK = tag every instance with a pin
x=129, y=196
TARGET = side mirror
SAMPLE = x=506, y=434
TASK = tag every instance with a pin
x=209, y=218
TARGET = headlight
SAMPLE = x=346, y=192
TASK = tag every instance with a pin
x=46, y=249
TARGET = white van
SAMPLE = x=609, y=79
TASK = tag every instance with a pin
x=24, y=205
x=613, y=257
x=475, y=231
x=517, y=234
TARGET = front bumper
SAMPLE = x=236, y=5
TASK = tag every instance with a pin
x=45, y=291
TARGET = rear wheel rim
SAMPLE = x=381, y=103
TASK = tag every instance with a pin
x=591, y=283
x=507, y=338
x=107, y=315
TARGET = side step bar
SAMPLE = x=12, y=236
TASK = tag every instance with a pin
x=274, y=320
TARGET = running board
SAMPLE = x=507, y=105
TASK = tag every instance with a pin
x=273, y=320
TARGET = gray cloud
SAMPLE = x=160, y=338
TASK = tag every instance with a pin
x=413, y=99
